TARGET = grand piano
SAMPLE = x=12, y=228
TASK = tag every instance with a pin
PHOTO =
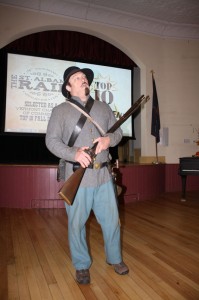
x=188, y=166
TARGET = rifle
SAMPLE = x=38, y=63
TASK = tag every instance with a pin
x=70, y=187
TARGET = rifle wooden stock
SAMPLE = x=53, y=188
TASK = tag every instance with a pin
x=71, y=185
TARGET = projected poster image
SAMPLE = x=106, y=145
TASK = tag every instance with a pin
x=34, y=88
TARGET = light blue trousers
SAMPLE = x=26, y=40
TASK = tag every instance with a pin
x=103, y=203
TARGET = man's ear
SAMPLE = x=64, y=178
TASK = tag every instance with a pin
x=68, y=87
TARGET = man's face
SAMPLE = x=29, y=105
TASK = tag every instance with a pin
x=78, y=85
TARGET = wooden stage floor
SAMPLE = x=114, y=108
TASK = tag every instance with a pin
x=160, y=242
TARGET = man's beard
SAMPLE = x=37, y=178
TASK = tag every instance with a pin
x=87, y=91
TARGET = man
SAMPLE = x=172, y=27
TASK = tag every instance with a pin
x=96, y=191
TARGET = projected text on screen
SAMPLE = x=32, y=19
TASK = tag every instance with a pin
x=34, y=88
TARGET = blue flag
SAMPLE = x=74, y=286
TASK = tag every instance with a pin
x=155, y=121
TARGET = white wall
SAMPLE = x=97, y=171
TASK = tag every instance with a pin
x=175, y=62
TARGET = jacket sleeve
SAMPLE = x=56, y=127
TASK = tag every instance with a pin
x=54, y=140
x=116, y=136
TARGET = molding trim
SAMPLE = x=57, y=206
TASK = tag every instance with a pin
x=112, y=18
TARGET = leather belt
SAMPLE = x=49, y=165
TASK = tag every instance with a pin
x=94, y=166
x=98, y=166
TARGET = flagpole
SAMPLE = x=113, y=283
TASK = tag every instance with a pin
x=156, y=151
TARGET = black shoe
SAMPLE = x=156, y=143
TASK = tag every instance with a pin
x=83, y=276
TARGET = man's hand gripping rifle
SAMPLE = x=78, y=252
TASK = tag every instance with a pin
x=70, y=187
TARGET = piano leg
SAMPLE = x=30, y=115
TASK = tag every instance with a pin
x=184, y=179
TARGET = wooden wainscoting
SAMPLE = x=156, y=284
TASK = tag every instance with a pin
x=35, y=186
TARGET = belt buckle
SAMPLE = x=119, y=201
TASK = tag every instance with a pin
x=96, y=166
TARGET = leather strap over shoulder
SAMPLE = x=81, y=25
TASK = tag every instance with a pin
x=81, y=120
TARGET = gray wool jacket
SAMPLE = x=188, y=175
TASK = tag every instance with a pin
x=63, y=120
